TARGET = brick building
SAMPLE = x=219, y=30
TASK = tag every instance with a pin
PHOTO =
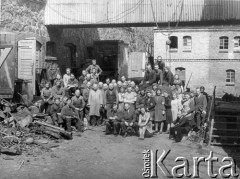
x=211, y=55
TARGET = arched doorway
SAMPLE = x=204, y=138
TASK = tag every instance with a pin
x=181, y=72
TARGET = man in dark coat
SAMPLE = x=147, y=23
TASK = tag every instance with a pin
x=200, y=107
x=55, y=111
x=185, y=122
x=58, y=91
x=128, y=120
x=82, y=78
x=113, y=120
x=149, y=78
x=167, y=77
x=140, y=101
x=79, y=104
x=159, y=75
x=160, y=63
x=68, y=116
x=111, y=97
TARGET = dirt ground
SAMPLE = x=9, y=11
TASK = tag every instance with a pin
x=97, y=156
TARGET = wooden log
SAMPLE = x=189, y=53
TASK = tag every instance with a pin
x=53, y=134
x=61, y=131
x=49, y=125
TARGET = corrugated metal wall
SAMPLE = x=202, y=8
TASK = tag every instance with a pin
x=82, y=12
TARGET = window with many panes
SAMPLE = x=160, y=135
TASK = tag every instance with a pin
x=223, y=43
x=187, y=43
x=230, y=79
x=237, y=43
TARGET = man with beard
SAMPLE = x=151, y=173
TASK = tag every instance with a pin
x=149, y=78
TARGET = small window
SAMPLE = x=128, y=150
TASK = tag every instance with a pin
x=223, y=43
x=51, y=49
x=174, y=42
x=230, y=79
x=187, y=43
x=237, y=43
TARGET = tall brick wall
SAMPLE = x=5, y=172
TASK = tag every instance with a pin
x=205, y=46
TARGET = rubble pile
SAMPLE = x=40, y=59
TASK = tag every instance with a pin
x=24, y=130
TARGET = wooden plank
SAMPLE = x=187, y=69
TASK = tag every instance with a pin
x=227, y=122
x=210, y=132
x=227, y=116
x=233, y=130
x=225, y=144
x=4, y=54
x=219, y=136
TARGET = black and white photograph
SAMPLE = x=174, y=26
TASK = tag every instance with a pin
x=119, y=89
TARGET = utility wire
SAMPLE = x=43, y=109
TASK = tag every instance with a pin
x=102, y=21
x=130, y=9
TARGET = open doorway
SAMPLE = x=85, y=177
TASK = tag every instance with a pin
x=71, y=54
x=181, y=72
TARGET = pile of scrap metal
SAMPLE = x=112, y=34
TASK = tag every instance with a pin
x=22, y=128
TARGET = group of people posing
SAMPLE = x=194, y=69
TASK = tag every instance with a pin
x=124, y=107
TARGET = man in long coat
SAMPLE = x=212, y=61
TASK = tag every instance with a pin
x=95, y=102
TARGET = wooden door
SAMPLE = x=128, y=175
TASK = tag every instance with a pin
x=27, y=63
x=136, y=65
x=7, y=64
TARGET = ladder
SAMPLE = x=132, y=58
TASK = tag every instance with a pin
x=224, y=128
